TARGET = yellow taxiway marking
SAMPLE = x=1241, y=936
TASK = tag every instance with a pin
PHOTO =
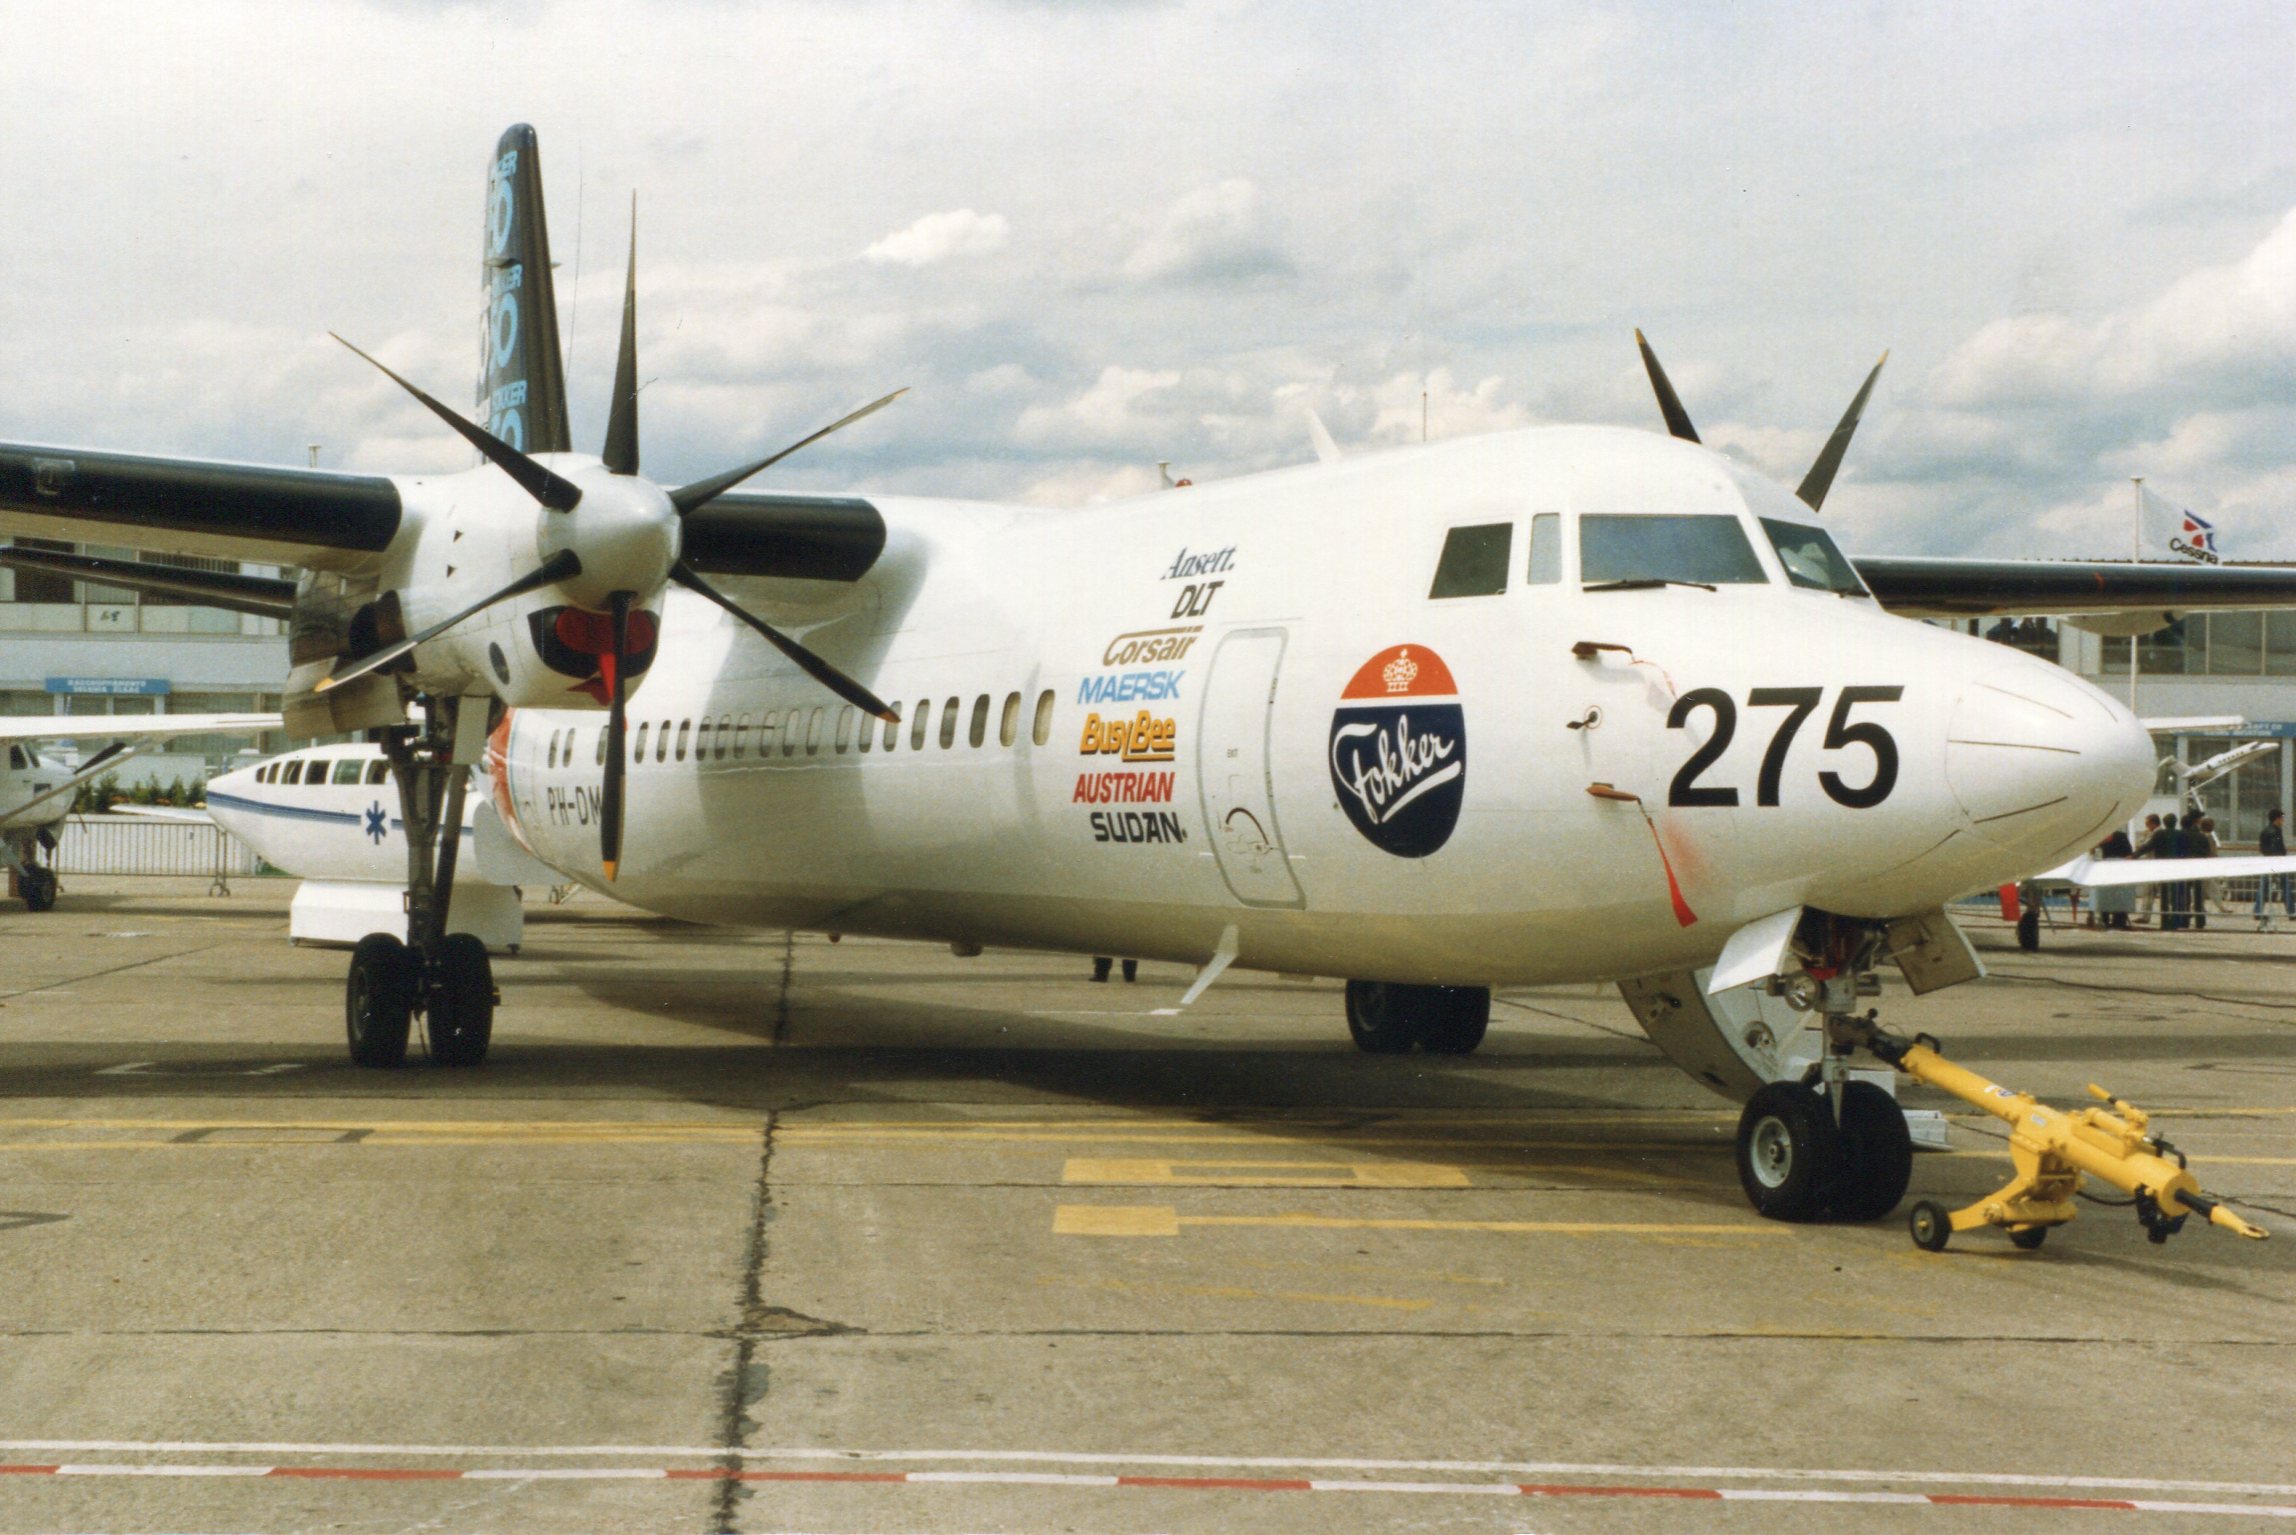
x=1239, y=1174
x=1240, y=1292
x=1165, y=1221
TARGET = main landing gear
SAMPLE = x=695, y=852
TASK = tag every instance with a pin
x=1390, y=1019
x=444, y=977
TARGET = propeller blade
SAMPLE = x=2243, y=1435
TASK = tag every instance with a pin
x=1820, y=479
x=539, y=482
x=617, y=721
x=1669, y=403
x=621, y=450
x=557, y=568
x=687, y=497
x=816, y=668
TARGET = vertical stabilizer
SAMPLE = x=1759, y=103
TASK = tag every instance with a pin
x=521, y=375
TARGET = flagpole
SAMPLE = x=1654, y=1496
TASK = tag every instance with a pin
x=2136, y=556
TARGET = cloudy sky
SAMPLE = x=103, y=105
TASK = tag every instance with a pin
x=1095, y=235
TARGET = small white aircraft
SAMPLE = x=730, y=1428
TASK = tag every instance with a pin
x=329, y=815
x=36, y=791
x=1559, y=704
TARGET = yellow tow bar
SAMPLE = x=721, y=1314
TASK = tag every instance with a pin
x=2051, y=1149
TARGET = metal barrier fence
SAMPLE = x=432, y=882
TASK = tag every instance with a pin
x=130, y=845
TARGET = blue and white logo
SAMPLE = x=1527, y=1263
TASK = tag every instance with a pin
x=375, y=822
x=1129, y=687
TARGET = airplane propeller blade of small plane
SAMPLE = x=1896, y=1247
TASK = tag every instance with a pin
x=550, y=489
x=617, y=754
x=621, y=450
x=1820, y=479
x=1669, y=403
x=687, y=497
x=816, y=668
x=557, y=568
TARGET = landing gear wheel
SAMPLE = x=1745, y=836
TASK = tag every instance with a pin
x=1379, y=1016
x=2029, y=1238
x=2029, y=929
x=37, y=885
x=1457, y=1025
x=1789, y=1154
x=459, y=1001
x=1877, y=1154
x=379, y=999
x=1931, y=1226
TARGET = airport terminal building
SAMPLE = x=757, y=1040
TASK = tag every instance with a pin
x=71, y=648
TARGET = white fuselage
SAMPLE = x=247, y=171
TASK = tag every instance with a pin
x=1220, y=627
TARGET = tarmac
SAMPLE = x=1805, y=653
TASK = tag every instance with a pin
x=746, y=1232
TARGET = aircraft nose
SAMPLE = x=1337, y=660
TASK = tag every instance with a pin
x=2042, y=762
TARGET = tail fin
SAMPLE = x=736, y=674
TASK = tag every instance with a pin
x=521, y=375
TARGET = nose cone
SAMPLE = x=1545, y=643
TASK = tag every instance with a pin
x=2044, y=764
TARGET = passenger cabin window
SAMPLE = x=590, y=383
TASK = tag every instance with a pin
x=1008, y=723
x=844, y=728
x=348, y=770
x=917, y=731
x=601, y=749
x=979, y=731
x=1041, y=731
x=893, y=727
x=1546, y=549
x=638, y=750
x=685, y=728
x=949, y=722
x=1475, y=561
x=792, y=726
x=662, y=744
x=740, y=736
x=380, y=771
x=813, y=731
x=1653, y=548
x=724, y=734
x=1811, y=557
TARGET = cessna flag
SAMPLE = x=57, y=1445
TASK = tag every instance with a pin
x=2182, y=533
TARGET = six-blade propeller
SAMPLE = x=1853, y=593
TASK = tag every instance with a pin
x=562, y=496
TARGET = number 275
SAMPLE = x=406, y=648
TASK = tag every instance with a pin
x=1798, y=703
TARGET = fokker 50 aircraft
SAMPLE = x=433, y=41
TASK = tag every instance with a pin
x=1558, y=704
x=36, y=794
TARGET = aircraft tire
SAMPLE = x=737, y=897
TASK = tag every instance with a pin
x=379, y=999
x=1382, y=1018
x=1877, y=1154
x=1456, y=1025
x=459, y=1005
x=1789, y=1153
x=38, y=887
x=2029, y=929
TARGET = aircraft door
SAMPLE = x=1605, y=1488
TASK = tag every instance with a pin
x=1232, y=771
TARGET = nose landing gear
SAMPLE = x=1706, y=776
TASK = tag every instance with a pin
x=1803, y=1154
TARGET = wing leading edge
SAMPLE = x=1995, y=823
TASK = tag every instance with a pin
x=1919, y=587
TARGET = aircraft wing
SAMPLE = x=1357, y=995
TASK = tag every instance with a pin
x=2098, y=873
x=302, y=517
x=121, y=727
x=1920, y=587
x=164, y=813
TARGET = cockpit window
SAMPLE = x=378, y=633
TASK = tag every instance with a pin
x=16, y=758
x=1708, y=548
x=1810, y=557
x=1475, y=560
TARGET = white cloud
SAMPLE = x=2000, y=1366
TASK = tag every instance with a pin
x=1218, y=233
x=938, y=236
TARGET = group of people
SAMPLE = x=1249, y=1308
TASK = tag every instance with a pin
x=2185, y=903
x=2032, y=634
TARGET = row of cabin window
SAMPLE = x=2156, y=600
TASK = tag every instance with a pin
x=311, y=770
x=789, y=731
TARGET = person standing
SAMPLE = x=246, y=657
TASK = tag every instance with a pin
x=2200, y=842
x=2168, y=846
x=2148, y=896
x=2113, y=903
x=2273, y=843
